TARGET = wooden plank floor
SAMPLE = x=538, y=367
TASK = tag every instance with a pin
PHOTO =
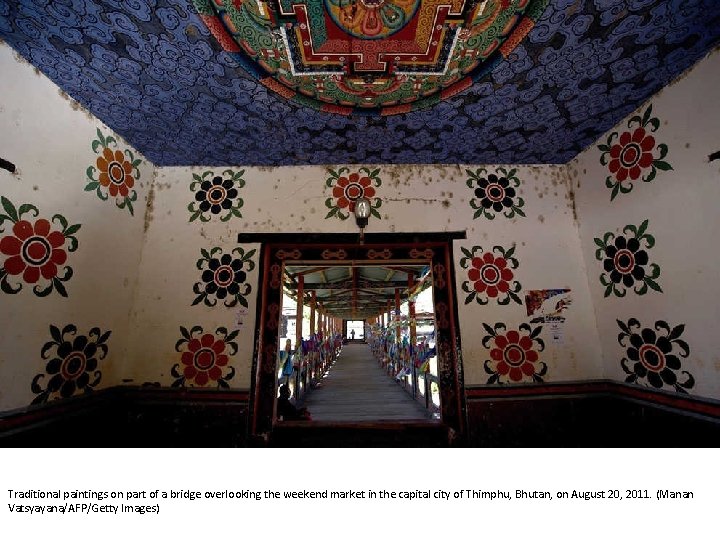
x=356, y=389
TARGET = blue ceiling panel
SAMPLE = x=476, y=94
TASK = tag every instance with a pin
x=151, y=71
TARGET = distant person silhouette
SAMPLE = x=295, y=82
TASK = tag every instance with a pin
x=352, y=334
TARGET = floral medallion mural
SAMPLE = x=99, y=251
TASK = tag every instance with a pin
x=224, y=277
x=216, y=195
x=204, y=357
x=625, y=261
x=495, y=193
x=490, y=276
x=633, y=154
x=72, y=363
x=652, y=356
x=514, y=354
x=348, y=187
x=115, y=174
x=35, y=250
x=371, y=19
x=378, y=57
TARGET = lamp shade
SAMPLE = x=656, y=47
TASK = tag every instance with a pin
x=362, y=208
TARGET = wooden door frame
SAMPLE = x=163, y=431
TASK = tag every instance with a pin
x=433, y=249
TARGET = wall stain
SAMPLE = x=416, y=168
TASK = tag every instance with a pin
x=149, y=208
x=408, y=199
x=394, y=173
x=571, y=197
x=161, y=186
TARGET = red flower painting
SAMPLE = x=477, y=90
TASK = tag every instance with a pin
x=33, y=250
x=204, y=357
x=490, y=275
x=514, y=354
x=204, y=360
x=633, y=154
x=348, y=187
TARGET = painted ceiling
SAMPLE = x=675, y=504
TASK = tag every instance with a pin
x=377, y=57
x=356, y=291
x=555, y=79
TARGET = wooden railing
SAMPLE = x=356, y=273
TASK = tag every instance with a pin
x=403, y=364
x=310, y=364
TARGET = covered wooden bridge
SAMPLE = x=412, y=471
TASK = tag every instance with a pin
x=376, y=377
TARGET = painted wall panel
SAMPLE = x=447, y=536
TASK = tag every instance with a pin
x=172, y=266
x=406, y=199
x=50, y=140
x=673, y=192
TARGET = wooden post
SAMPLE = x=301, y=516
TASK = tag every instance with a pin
x=298, y=335
x=397, y=315
x=313, y=306
x=411, y=313
x=413, y=336
x=299, y=314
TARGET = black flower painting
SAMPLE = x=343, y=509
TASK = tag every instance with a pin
x=626, y=261
x=215, y=195
x=495, y=193
x=73, y=363
x=223, y=277
x=653, y=356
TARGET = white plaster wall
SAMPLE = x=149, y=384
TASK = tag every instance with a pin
x=167, y=274
x=415, y=198
x=49, y=139
x=548, y=251
x=681, y=206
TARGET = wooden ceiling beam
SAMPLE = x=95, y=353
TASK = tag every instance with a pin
x=405, y=269
x=309, y=271
x=348, y=284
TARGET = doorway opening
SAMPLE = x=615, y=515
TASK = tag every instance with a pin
x=362, y=342
x=355, y=330
x=371, y=307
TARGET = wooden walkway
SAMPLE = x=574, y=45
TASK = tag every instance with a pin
x=356, y=389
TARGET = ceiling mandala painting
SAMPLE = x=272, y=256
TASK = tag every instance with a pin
x=296, y=82
x=369, y=56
